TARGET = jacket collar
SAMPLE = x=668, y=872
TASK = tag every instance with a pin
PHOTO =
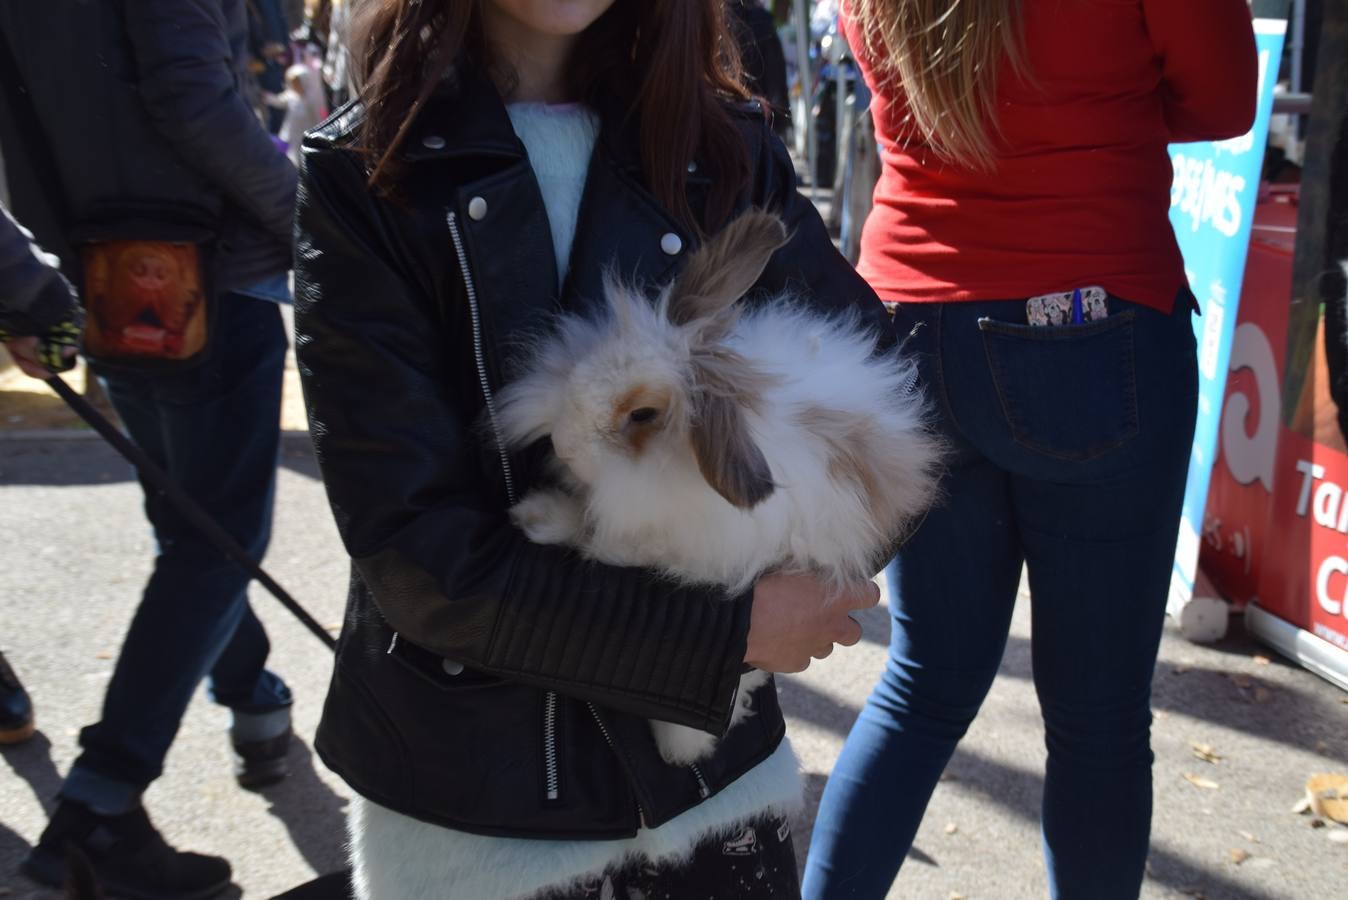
x=481, y=127
x=621, y=225
x=463, y=118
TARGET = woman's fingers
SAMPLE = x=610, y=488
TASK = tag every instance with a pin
x=850, y=633
x=25, y=353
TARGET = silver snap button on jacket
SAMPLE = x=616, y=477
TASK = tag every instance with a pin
x=477, y=209
x=433, y=142
x=671, y=243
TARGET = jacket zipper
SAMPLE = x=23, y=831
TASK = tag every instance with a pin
x=478, y=352
x=552, y=781
x=702, y=787
x=552, y=775
x=608, y=739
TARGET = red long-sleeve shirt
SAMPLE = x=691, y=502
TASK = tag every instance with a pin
x=1080, y=193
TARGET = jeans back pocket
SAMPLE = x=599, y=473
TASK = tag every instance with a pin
x=1068, y=391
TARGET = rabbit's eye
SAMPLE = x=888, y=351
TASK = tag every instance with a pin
x=643, y=414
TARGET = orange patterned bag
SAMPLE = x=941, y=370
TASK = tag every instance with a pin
x=147, y=303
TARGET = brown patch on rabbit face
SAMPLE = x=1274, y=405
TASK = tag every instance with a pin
x=640, y=414
x=722, y=271
x=727, y=388
x=727, y=455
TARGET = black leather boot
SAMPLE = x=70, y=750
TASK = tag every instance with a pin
x=16, y=710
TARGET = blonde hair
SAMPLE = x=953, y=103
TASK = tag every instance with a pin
x=945, y=56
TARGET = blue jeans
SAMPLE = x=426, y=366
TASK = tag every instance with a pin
x=216, y=430
x=1068, y=448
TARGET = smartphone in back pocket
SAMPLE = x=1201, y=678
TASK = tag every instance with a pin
x=1056, y=309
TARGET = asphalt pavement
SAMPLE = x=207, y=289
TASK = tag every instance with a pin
x=76, y=551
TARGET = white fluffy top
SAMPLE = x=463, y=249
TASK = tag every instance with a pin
x=560, y=139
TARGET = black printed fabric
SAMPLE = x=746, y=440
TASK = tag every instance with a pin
x=755, y=862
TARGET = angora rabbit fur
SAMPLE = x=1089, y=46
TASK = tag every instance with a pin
x=715, y=443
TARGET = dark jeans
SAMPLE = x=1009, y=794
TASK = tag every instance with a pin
x=216, y=430
x=1069, y=447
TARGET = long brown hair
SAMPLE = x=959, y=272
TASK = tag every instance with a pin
x=945, y=56
x=671, y=62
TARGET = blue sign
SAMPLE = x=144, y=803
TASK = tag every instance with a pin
x=1212, y=204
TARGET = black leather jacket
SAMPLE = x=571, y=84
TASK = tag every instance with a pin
x=409, y=314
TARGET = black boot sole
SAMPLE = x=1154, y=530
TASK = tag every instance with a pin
x=49, y=869
x=17, y=735
x=257, y=775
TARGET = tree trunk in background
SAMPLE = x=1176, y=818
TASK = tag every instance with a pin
x=1322, y=223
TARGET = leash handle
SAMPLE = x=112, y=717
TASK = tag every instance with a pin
x=187, y=507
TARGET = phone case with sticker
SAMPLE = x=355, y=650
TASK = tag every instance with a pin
x=1056, y=309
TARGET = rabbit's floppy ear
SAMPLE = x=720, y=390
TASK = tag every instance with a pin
x=723, y=270
x=727, y=387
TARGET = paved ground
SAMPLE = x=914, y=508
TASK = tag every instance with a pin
x=76, y=552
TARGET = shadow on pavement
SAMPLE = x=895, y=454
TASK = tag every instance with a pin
x=297, y=454
x=333, y=886
x=802, y=825
x=61, y=463
x=1265, y=708
x=89, y=460
x=1200, y=693
x=314, y=816
x=13, y=850
x=801, y=701
x=1018, y=791
x=32, y=762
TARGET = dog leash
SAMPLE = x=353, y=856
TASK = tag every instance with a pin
x=187, y=507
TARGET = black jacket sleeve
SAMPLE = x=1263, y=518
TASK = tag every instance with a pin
x=34, y=296
x=446, y=568
x=186, y=80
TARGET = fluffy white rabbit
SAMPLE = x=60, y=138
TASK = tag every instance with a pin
x=715, y=443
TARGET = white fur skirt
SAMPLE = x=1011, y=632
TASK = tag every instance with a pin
x=396, y=857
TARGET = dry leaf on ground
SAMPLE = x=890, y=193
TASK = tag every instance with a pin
x=104, y=655
x=1238, y=855
x=951, y=828
x=1261, y=660
x=1248, y=836
x=1199, y=781
x=1204, y=752
x=1328, y=796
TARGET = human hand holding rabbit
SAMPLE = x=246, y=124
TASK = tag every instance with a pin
x=797, y=619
